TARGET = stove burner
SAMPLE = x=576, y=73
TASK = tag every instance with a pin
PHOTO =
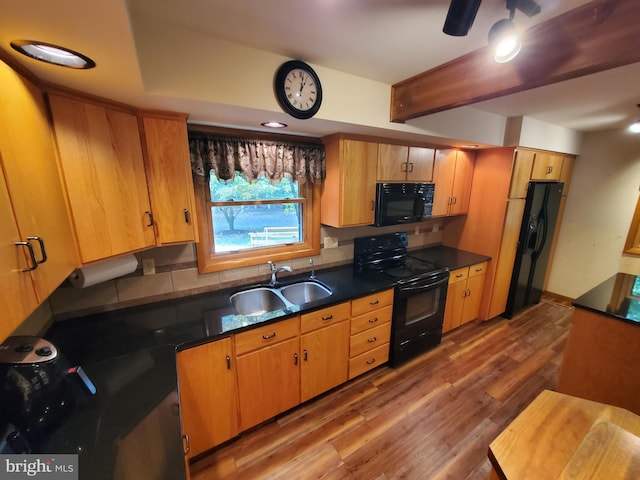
x=399, y=272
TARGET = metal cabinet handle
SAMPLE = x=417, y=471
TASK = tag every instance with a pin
x=295, y=359
x=228, y=362
x=410, y=167
x=150, y=224
x=371, y=362
x=187, y=216
x=186, y=443
x=268, y=337
x=549, y=169
x=328, y=318
x=460, y=275
x=305, y=355
x=32, y=255
x=373, y=205
x=375, y=302
x=43, y=251
x=372, y=340
x=373, y=320
x=403, y=167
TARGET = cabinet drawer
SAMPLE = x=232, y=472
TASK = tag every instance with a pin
x=458, y=275
x=371, y=302
x=371, y=319
x=477, y=269
x=326, y=316
x=369, y=339
x=368, y=360
x=267, y=335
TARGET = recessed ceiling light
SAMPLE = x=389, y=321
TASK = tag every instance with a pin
x=54, y=54
x=273, y=124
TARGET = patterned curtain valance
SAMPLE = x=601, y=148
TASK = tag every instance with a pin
x=252, y=157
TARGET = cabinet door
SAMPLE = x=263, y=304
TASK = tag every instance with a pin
x=461, y=189
x=392, y=162
x=566, y=173
x=33, y=181
x=325, y=359
x=169, y=179
x=521, y=175
x=103, y=169
x=547, y=166
x=444, y=168
x=17, y=295
x=358, y=182
x=455, y=299
x=420, y=168
x=268, y=382
x=472, y=298
x=208, y=401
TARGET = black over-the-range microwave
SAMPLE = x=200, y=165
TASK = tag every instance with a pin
x=403, y=203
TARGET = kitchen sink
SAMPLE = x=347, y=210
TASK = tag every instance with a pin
x=304, y=292
x=262, y=299
x=257, y=301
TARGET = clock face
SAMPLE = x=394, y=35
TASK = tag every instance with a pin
x=301, y=89
x=298, y=89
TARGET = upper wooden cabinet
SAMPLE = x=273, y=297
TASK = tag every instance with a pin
x=402, y=163
x=533, y=165
x=31, y=201
x=452, y=174
x=349, y=189
x=165, y=144
x=103, y=168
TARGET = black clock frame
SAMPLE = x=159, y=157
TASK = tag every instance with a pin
x=281, y=94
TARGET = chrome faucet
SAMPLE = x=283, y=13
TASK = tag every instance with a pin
x=313, y=270
x=275, y=271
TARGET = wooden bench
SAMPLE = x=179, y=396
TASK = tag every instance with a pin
x=273, y=236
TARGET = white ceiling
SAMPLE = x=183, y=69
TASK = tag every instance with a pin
x=382, y=40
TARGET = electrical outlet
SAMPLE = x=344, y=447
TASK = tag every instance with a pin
x=148, y=266
x=436, y=227
x=330, y=242
x=417, y=231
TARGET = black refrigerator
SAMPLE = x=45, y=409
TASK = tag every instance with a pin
x=534, y=245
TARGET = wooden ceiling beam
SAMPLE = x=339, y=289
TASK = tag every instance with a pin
x=597, y=36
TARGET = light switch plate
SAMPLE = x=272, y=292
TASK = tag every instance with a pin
x=330, y=242
x=148, y=266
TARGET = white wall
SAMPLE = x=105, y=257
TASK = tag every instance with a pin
x=600, y=205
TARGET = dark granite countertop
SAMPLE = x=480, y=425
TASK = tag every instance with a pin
x=449, y=257
x=130, y=356
x=617, y=297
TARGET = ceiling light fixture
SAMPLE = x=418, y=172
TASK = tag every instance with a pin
x=54, y=54
x=635, y=126
x=460, y=17
x=504, y=37
x=274, y=124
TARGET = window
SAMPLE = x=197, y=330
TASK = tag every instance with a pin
x=260, y=211
x=259, y=214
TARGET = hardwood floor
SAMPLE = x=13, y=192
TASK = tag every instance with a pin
x=432, y=418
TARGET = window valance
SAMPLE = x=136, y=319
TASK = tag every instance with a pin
x=254, y=157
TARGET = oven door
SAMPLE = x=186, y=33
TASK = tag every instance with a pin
x=418, y=314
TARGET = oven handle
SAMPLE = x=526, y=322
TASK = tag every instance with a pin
x=423, y=286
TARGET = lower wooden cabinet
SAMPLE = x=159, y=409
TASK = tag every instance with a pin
x=464, y=294
x=370, y=332
x=208, y=399
x=230, y=385
x=268, y=376
x=325, y=350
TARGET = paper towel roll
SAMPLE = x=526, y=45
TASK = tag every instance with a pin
x=103, y=271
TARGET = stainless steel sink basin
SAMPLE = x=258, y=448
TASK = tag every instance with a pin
x=304, y=292
x=257, y=301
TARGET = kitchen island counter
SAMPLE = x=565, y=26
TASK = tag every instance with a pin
x=601, y=356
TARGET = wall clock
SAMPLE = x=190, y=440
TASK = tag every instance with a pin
x=298, y=89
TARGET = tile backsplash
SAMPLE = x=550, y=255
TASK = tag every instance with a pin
x=176, y=273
